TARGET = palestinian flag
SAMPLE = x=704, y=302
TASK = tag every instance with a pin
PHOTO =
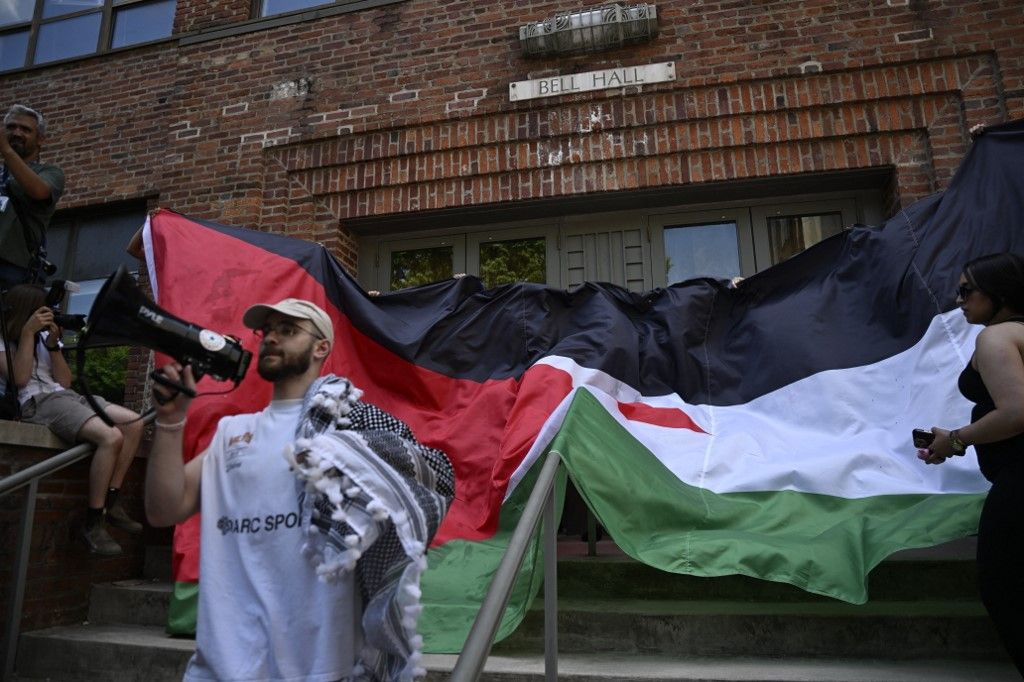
x=762, y=430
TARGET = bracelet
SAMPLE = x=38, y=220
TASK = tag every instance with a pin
x=959, y=447
x=176, y=426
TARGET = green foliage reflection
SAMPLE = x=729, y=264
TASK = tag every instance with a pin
x=420, y=266
x=518, y=260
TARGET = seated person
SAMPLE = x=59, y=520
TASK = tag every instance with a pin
x=42, y=377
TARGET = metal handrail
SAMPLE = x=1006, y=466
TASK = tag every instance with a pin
x=30, y=477
x=470, y=663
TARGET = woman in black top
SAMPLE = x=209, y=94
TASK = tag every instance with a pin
x=991, y=293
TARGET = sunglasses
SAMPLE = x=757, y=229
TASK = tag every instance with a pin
x=964, y=290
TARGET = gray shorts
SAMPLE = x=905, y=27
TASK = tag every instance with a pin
x=64, y=412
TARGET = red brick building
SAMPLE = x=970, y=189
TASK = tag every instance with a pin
x=386, y=130
x=384, y=127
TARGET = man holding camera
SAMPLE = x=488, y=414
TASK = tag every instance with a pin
x=263, y=612
x=29, y=191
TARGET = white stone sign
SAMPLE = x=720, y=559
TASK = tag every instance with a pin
x=592, y=80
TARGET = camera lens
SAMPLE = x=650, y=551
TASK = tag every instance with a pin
x=74, y=323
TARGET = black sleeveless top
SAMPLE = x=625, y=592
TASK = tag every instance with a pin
x=992, y=457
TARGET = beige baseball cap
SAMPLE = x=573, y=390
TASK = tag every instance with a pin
x=256, y=316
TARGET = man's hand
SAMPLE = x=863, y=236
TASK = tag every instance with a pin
x=171, y=404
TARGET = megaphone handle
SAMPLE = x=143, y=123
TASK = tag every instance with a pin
x=161, y=378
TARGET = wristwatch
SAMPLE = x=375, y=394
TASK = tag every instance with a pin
x=959, y=447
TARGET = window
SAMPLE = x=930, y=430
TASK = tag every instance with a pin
x=41, y=31
x=701, y=250
x=789, y=235
x=271, y=7
x=498, y=256
x=638, y=249
x=415, y=262
x=71, y=244
x=86, y=248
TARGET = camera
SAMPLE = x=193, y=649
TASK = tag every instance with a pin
x=55, y=302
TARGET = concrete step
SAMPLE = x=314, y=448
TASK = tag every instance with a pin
x=879, y=630
x=709, y=627
x=158, y=563
x=130, y=602
x=116, y=653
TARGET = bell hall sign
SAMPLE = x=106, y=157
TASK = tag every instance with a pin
x=592, y=80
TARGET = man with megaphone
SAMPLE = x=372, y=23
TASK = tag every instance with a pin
x=254, y=578
x=317, y=496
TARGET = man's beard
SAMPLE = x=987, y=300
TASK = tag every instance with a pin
x=288, y=366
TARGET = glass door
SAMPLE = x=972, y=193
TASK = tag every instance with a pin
x=412, y=262
x=701, y=244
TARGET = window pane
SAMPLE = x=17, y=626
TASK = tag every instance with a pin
x=101, y=242
x=13, y=48
x=139, y=23
x=420, y=266
x=57, y=238
x=68, y=38
x=701, y=251
x=789, y=235
x=80, y=302
x=55, y=8
x=517, y=260
x=282, y=6
x=15, y=11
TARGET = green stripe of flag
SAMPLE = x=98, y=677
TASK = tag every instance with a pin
x=181, y=613
x=823, y=544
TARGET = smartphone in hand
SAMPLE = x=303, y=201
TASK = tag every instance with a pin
x=922, y=438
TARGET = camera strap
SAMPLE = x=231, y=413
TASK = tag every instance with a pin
x=10, y=406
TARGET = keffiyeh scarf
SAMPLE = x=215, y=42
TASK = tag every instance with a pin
x=371, y=498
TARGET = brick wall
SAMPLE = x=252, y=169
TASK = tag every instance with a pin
x=300, y=127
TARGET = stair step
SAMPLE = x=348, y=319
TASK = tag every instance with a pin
x=130, y=602
x=158, y=564
x=612, y=668
x=118, y=653
x=892, y=630
x=113, y=653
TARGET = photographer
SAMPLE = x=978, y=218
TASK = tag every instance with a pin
x=29, y=191
x=42, y=378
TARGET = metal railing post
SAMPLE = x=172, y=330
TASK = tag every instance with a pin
x=591, y=533
x=550, y=590
x=10, y=644
x=481, y=636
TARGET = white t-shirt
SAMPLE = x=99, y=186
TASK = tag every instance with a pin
x=263, y=613
x=42, y=380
